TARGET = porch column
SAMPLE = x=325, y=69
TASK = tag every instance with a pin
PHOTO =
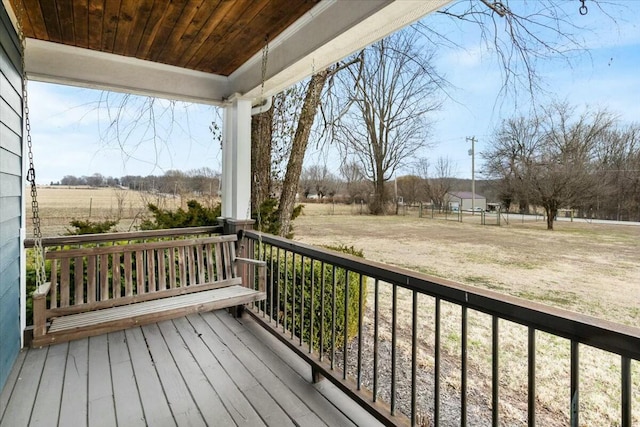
x=236, y=165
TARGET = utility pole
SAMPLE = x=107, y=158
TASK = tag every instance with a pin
x=472, y=153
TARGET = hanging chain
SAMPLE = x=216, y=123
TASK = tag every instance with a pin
x=31, y=172
x=583, y=9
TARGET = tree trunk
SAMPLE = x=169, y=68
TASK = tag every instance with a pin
x=551, y=215
x=298, y=149
x=379, y=197
x=261, y=129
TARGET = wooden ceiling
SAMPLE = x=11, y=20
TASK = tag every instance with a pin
x=214, y=36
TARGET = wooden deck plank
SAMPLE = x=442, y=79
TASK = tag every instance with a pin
x=288, y=400
x=234, y=401
x=101, y=411
x=125, y=390
x=47, y=404
x=73, y=405
x=287, y=366
x=183, y=407
x=154, y=402
x=257, y=392
x=9, y=385
x=137, y=377
x=201, y=389
x=23, y=397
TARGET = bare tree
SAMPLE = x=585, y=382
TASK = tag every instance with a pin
x=522, y=34
x=618, y=164
x=550, y=156
x=438, y=179
x=357, y=188
x=411, y=189
x=385, y=120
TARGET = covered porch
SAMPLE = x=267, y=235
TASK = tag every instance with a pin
x=264, y=368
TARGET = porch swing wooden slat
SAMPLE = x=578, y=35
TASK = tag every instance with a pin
x=124, y=301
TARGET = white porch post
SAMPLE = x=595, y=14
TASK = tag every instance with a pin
x=236, y=160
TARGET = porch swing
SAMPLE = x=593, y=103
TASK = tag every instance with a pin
x=96, y=290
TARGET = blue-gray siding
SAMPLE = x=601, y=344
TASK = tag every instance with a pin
x=11, y=190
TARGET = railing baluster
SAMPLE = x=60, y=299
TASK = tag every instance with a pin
x=322, y=297
x=463, y=391
x=302, y=284
x=414, y=355
x=375, y=341
x=293, y=295
x=311, y=304
x=436, y=368
x=333, y=319
x=274, y=285
x=394, y=324
x=345, y=327
x=495, y=371
x=626, y=392
x=284, y=299
x=575, y=384
x=531, y=374
x=360, y=303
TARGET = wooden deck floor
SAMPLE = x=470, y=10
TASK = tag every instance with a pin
x=204, y=369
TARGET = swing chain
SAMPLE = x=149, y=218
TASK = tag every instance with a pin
x=31, y=171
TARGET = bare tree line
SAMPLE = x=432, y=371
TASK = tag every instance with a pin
x=559, y=158
x=203, y=181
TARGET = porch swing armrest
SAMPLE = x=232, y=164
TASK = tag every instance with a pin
x=41, y=291
x=40, y=310
x=262, y=270
x=257, y=262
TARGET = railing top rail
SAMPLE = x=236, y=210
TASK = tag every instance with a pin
x=595, y=332
x=123, y=236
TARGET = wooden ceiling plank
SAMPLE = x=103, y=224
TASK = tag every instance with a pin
x=96, y=19
x=272, y=21
x=242, y=13
x=161, y=41
x=28, y=27
x=50, y=16
x=151, y=29
x=217, y=14
x=185, y=30
x=65, y=18
x=142, y=19
x=125, y=25
x=110, y=24
x=81, y=22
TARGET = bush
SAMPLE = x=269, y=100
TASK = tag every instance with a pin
x=31, y=282
x=195, y=215
x=90, y=227
x=303, y=284
x=268, y=217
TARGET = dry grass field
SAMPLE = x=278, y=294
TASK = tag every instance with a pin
x=589, y=268
x=59, y=205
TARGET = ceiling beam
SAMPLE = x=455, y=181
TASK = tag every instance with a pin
x=57, y=63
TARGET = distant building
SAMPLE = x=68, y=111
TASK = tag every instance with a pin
x=462, y=200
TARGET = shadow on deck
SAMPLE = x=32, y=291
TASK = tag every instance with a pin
x=204, y=369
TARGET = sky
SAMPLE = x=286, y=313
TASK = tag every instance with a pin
x=71, y=136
